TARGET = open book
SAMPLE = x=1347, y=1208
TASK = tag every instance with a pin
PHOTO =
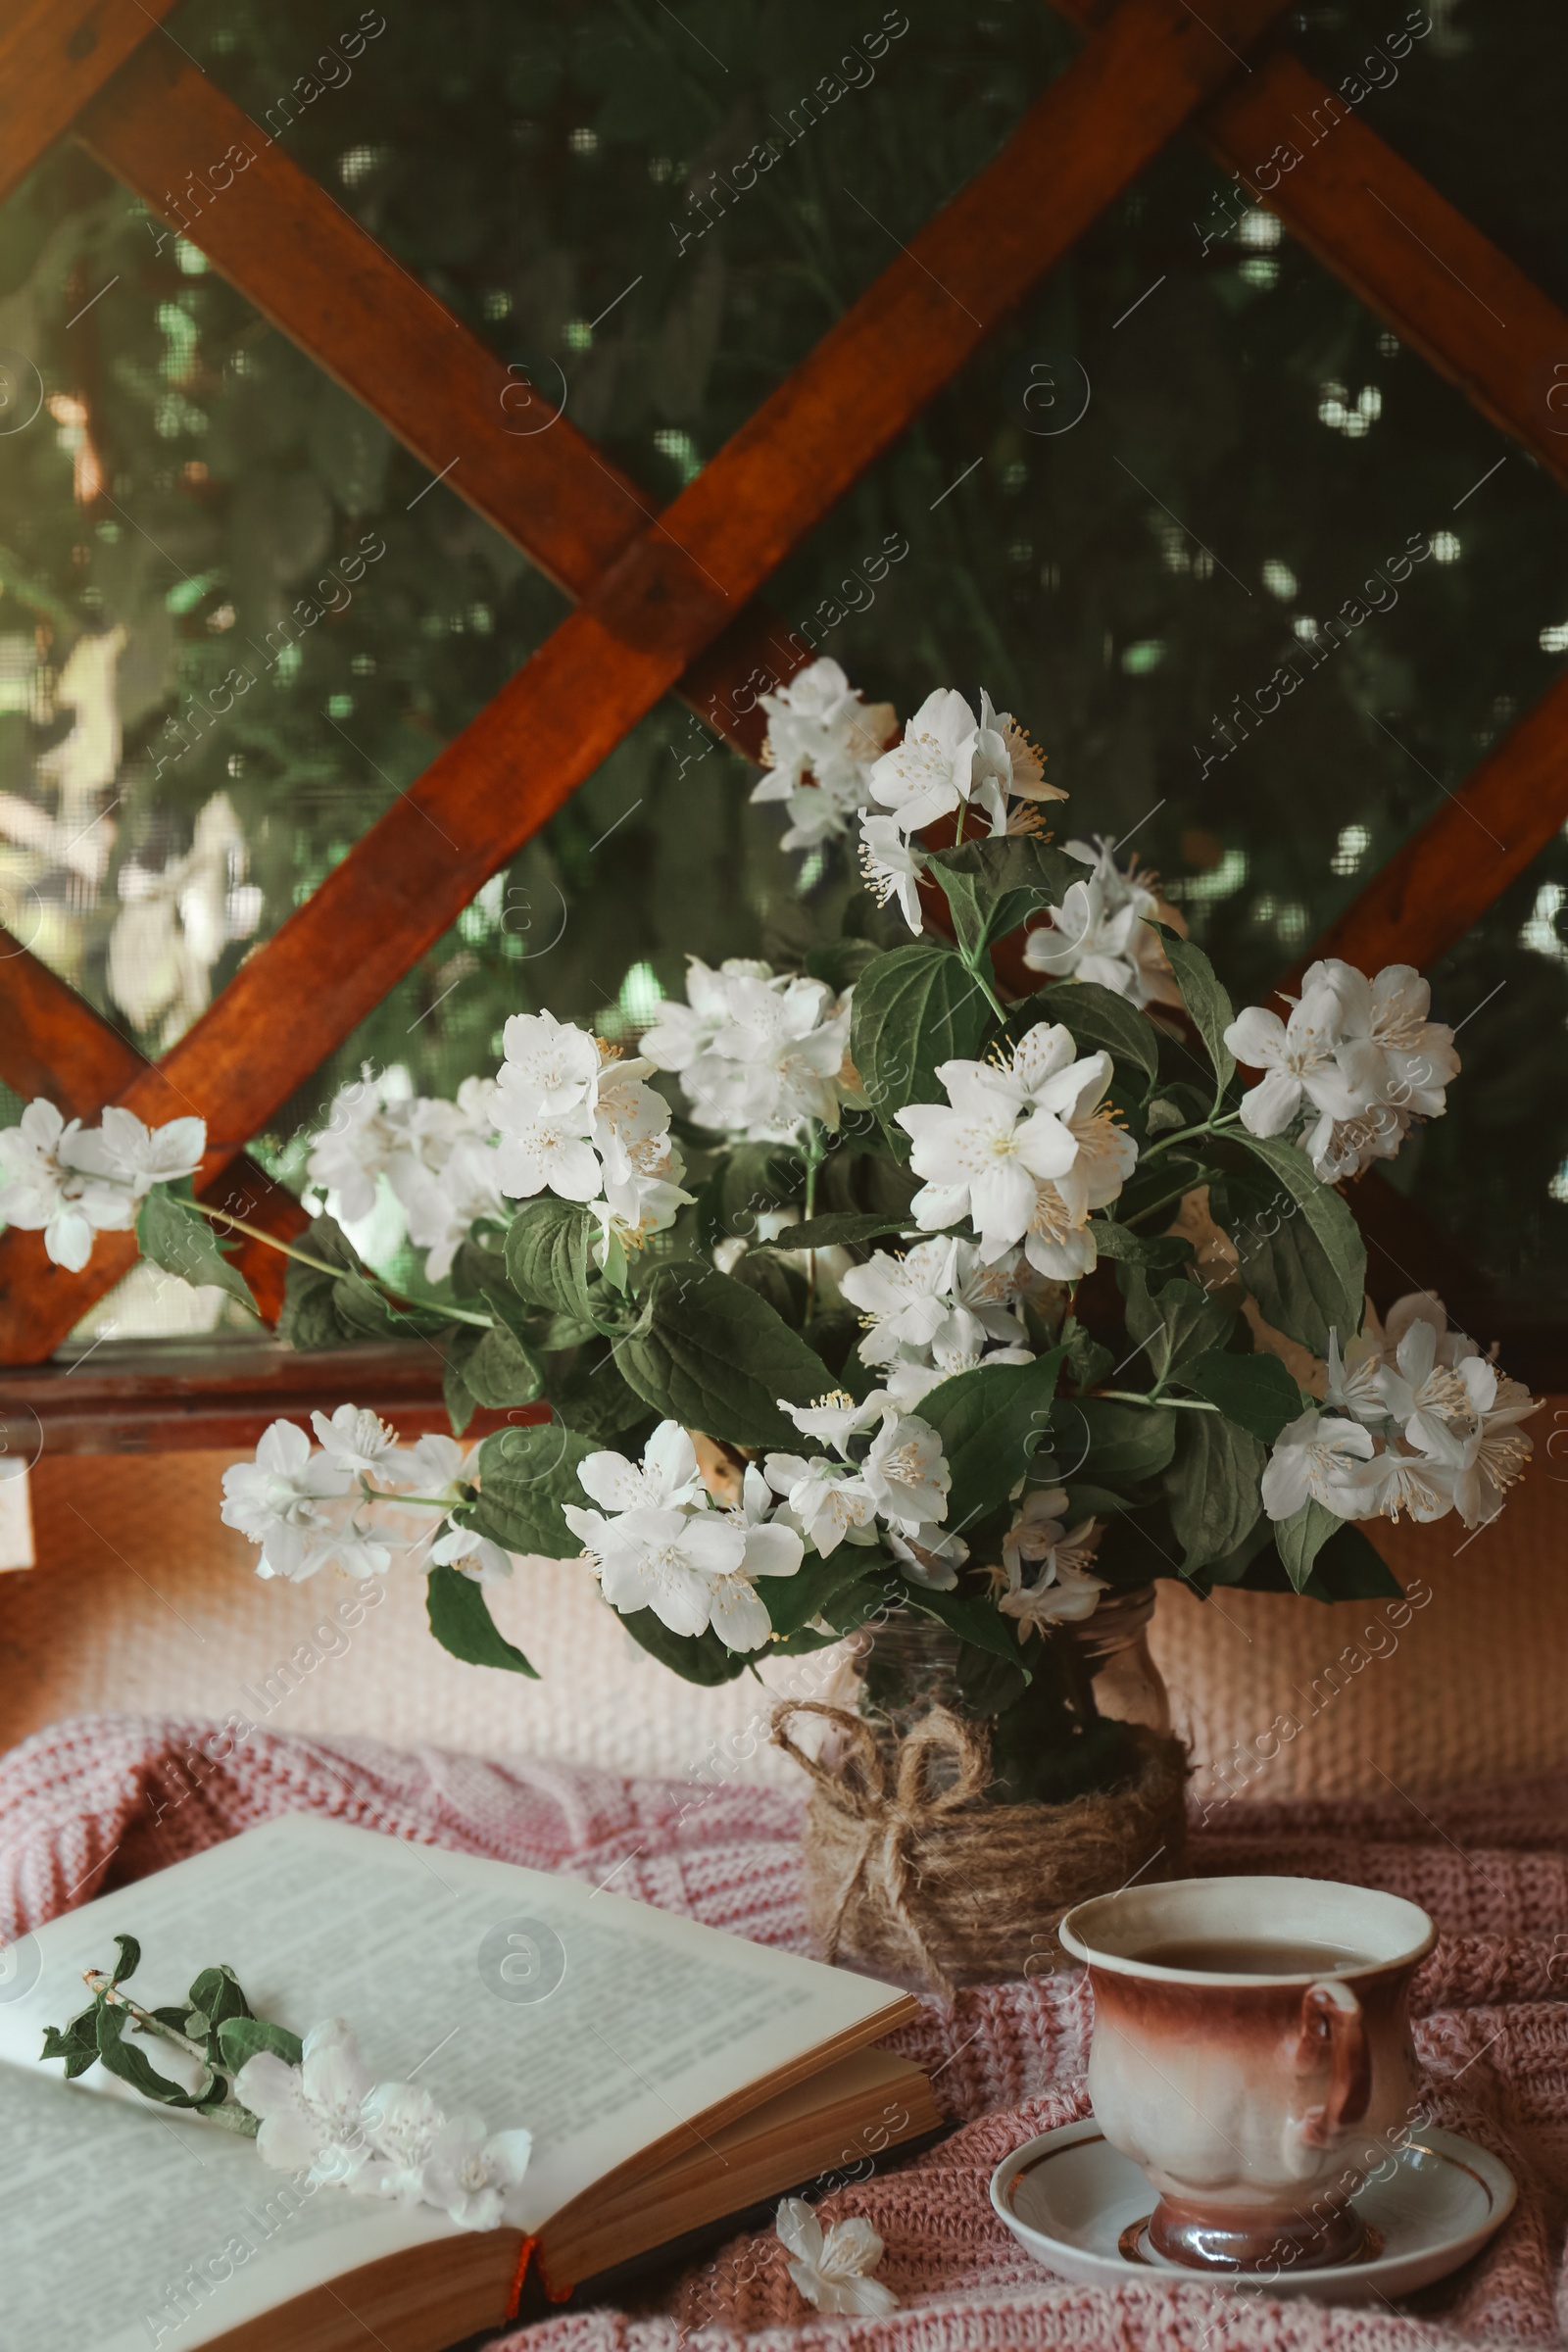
x=671, y=2075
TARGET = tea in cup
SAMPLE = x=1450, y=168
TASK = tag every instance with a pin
x=1252, y=2053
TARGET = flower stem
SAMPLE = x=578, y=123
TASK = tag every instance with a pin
x=1185, y=1405
x=1183, y=1135
x=982, y=980
x=322, y=1265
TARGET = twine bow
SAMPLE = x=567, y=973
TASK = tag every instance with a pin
x=885, y=1816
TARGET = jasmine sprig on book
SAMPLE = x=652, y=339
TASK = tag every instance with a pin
x=311, y=2106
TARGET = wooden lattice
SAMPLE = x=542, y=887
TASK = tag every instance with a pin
x=667, y=602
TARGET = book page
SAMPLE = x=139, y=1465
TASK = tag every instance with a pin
x=122, y=2232
x=601, y=2024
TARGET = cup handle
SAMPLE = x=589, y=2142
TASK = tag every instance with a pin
x=1332, y=2028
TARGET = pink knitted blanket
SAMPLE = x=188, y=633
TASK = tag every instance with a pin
x=90, y=1804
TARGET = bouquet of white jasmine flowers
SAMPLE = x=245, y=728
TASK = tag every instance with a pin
x=863, y=1284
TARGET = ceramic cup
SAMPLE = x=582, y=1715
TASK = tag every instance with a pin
x=1256, y=2104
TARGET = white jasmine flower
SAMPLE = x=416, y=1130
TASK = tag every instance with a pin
x=819, y=726
x=311, y=2113
x=404, y=2126
x=443, y=1206
x=1491, y=1457
x=1352, y=1379
x=929, y=1555
x=1423, y=1307
x=931, y=772
x=836, y=1418
x=980, y=1158
x=834, y=2273
x=1391, y=1015
x=354, y=1439
x=52, y=1186
x=468, y=2171
x=631, y=1120
x=905, y=1384
x=632, y=1207
x=1005, y=754
x=828, y=1502
x=350, y=1545
x=368, y=1126
x=1318, y=1457
x=550, y=1066
x=892, y=869
x=907, y=1472
x=473, y=1556
x=549, y=1152
x=940, y=1298
x=1101, y=930
x=1311, y=1060
x=1424, y=1394
x=129, y=1153
x=792, y=1042
x=665, y=1561
x=667, y=1478
x=1064, y=1593
x=1394, y=1483
x=684, y=1033
x=772, y=1548
x=277, y=1501
x=1342, y=1148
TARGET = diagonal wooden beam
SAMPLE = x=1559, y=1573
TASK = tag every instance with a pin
x=672, y=593
x=1467, y=852
x=1412, y=257
x=307, y=266
x=53, y=58
x=52, y=1042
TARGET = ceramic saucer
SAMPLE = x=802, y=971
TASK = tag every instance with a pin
x=1078, y=2207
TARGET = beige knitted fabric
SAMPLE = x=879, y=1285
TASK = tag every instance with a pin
x=143, y=1600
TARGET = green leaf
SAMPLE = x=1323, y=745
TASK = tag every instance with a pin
x=695, y=1658
x=783, y=1286
x=124, y=2059
x=1206, y=1001
x=826, y=1233
x=1172, y=1324
x=1300, y=1538
x=547, y=1257
x=77, y=2046
x=1083, y=1357
x=525, y=1475
x=914, y=1008
x=974, y=1621
x=990, y=1421
x=815, y=1586
x=216, y=1996
x=1119, y=1445
x=715, y=1357
x=1099, y=1021
x=501, y=1371
x=461, y=1621
x=1160, y=1252
x=841, y=962
x=128, y=1961
x=993, y=886
x=751, y=1180
x=247, y=2037
x=1212, y=1488
x=1302, y=1257
x=455, y=1393
x=594, y=1399
x=176, y=1235
x=1255, y=1390
x=1350, y=1567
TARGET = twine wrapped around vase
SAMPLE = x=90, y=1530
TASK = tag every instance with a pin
x=909, y=1874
